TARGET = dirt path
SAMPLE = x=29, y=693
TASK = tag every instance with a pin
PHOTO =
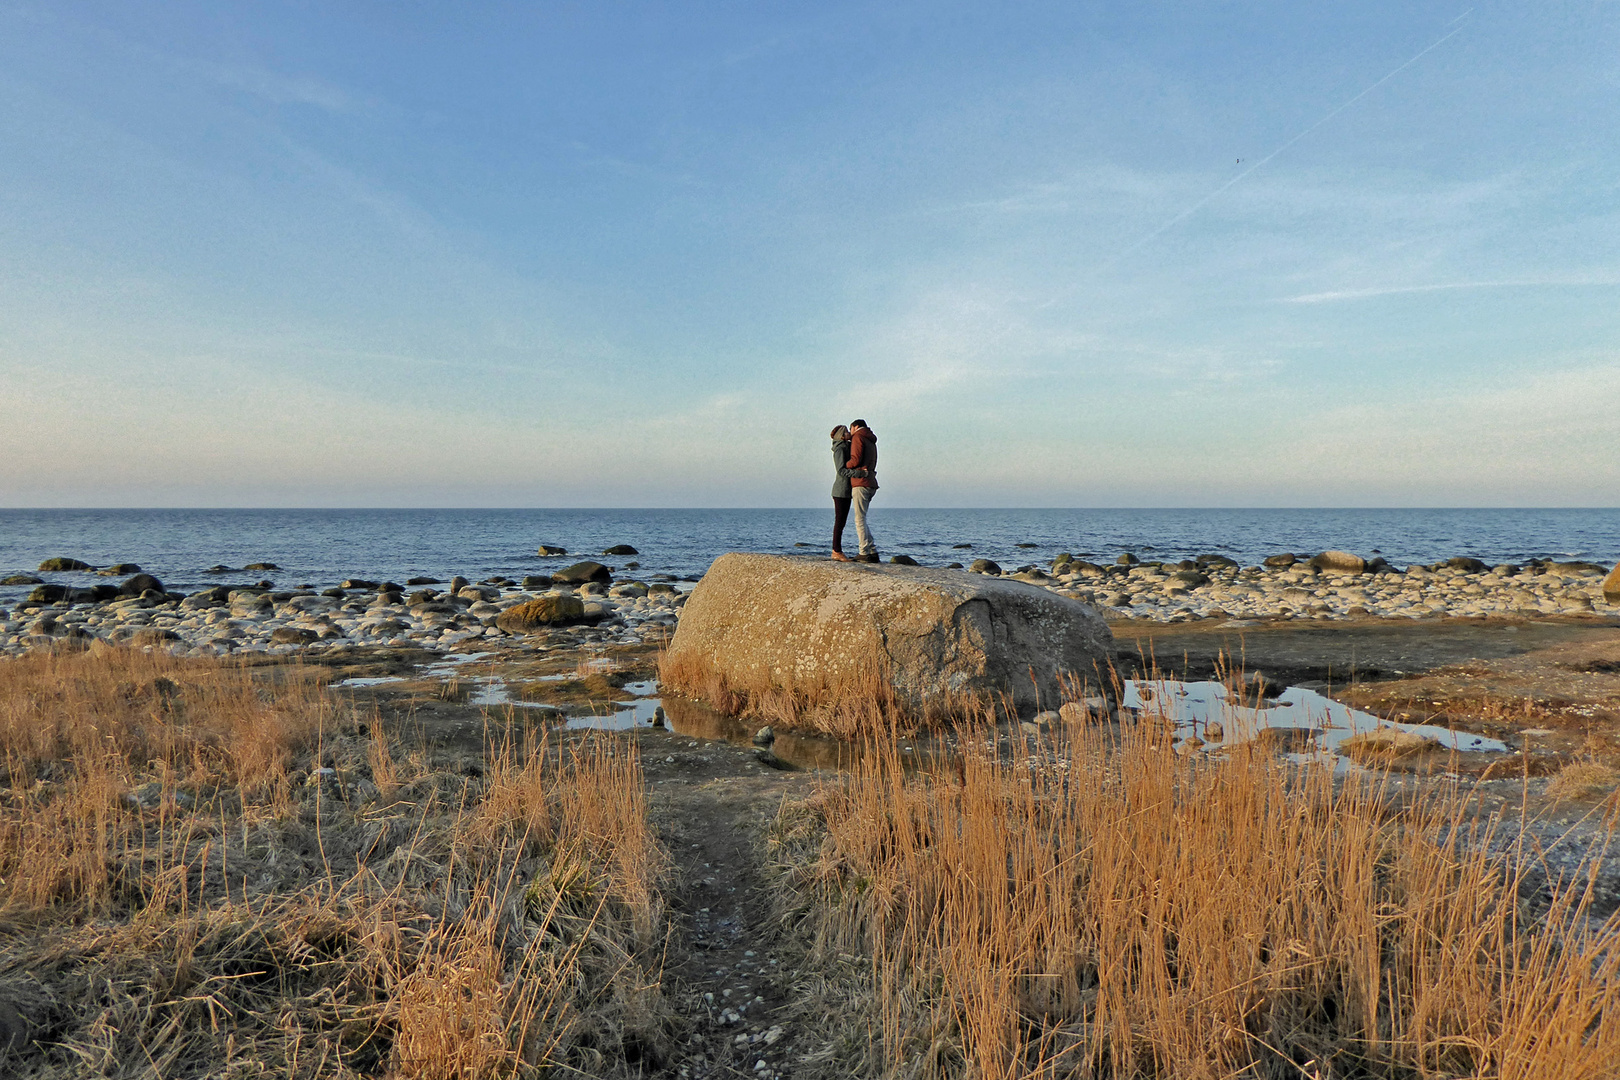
x=711, y=803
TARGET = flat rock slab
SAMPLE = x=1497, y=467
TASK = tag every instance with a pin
x=762, y=624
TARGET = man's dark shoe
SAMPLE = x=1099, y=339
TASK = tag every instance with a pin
x=870, y=558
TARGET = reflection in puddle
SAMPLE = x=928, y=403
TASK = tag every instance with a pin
x=1302, y=722
x=800, y=751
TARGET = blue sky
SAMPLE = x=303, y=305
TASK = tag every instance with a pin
x=1061, y=254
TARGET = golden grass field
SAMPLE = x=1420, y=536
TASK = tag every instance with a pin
x=1142, y=916
x=210, y=868
x=186, y=895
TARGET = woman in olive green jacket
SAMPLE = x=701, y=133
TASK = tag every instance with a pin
x=840, y=489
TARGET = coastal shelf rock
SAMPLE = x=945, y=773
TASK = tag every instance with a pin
x=762, y=624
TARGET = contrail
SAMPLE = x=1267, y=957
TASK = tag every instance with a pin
x=1199, y=205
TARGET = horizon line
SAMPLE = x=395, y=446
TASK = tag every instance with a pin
x=695, y=509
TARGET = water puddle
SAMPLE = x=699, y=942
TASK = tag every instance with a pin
x=490, y=692
x=1209, y=717
x=369, y=680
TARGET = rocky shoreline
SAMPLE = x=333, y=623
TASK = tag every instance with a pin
x=427, y=614
x=1332, y=585
x=584, y=604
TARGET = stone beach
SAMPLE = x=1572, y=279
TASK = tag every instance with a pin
x=465, y=616
x=454, y=616
x=1328, y=588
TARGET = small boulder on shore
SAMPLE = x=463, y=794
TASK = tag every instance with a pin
x=542, y=613
x=1278, y=562
x=1339, y=562
x=1611, y=585
x=985, y=566
x=581, y=572
x=139, y=584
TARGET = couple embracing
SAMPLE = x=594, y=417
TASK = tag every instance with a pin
x=854, y=451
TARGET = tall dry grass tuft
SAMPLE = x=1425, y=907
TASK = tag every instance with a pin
x=842, y=705
x=1138, y=915
x=89, y=740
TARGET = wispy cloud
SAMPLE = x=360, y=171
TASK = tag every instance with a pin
x=278, y=88
x=1339, y=295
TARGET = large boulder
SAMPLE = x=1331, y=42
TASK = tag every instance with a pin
x=1611, y=585
x=832, y=638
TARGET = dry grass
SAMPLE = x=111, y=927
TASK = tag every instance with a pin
x=1140, y=915
x=842, y=705
x=1583, y=780
x=211, y=870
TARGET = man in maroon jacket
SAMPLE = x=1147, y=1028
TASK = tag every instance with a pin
x=863, y=484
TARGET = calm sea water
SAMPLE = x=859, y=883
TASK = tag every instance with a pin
x=322, y=547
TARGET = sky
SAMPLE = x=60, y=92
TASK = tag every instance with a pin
x=620, y=254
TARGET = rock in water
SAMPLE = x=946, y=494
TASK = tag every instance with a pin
x=550, y=551
x=620, y=549
x=60, y=564
x=1611, y=585
x=541, y=613
x=758, y=625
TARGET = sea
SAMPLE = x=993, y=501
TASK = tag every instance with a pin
x=323, y=547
